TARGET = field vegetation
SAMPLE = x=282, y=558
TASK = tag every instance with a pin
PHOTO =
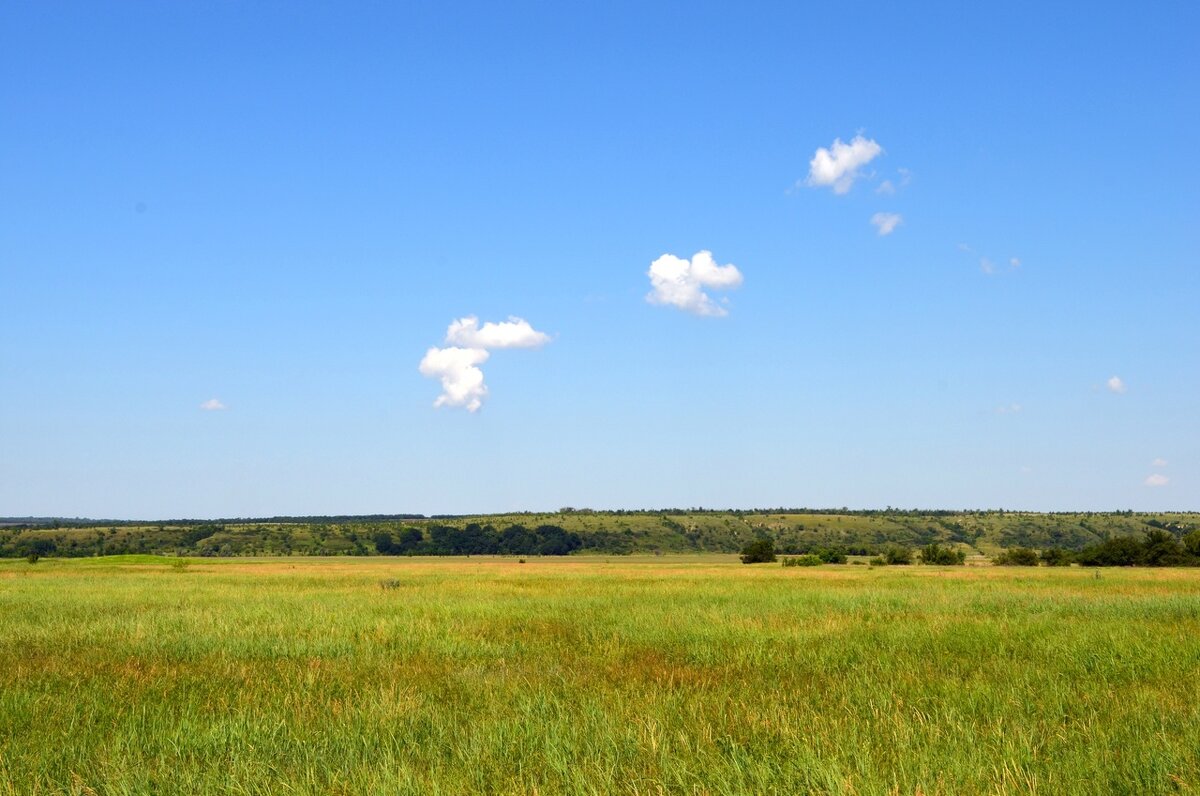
x=635, y=674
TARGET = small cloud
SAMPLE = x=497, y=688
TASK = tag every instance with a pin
x=462, y=380
x=678, y=283
x=1159, y=462
x=513, y=333
x=886, y=223
x=987, y=265
x=457, y=365
x=1115, y=384
x=1157, y=479
x=1010, y=409
x=213, y=405
x=839, y=165
x=888, y=188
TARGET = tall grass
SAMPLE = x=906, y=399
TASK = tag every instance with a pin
x=566, y=676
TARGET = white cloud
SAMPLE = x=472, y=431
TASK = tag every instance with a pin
x=1159, y=462
x=468, y=344
x=1115, y=384
x=462, y=380
x=886, y=223
x=213, y=405
x=887, y=187
x=513, y=333
x=838, y=166
x=1157, y=479
x=1010, y=409
x=678, y=282
x=986, y=264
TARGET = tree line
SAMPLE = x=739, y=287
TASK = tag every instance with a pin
x=478, y=540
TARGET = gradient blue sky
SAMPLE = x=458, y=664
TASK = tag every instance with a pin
x=282, y=207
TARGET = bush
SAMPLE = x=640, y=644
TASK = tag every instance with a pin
x=1018, y=557
x=934, y=553
x=831, y=555
x=897, y=555
x=808, y=560
x=1057, y=557
x=1191, y=543
x=761, y=551
x=1118, y=551
x=1162, y=549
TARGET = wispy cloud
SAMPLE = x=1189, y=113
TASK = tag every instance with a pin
x=1159, y=462
x=840, y=165
x=886, y=223
x=680, y=283
x=213, y=405
x=888, y=188
x=457, y=365
x=1156, y=479
x=1116, y=384
x=1009, y=409
x=987, y=265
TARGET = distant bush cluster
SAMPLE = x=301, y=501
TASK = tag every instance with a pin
x=479, y=540
x=806, y=560
x=1156, y=548
x=943, y=556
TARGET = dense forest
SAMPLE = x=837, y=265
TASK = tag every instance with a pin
x=581, y=531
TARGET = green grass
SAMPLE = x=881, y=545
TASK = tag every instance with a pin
x=632, y=675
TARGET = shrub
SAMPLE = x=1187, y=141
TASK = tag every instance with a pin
x=1162, y=549
x=1191, y=543
x=807, y=560
x=761, y=551
x=1118, y=551
x=1018, y=557
x=1057, y=557
x=897, y=555
x=934, y=553
x=831, y=555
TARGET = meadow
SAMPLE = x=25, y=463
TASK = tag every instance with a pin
x=637, y=675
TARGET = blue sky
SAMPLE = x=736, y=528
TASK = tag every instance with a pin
x=281, y=208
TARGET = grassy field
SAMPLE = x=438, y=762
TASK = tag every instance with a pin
x=581, y=675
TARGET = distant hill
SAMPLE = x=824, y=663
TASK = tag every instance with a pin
x=608, y=532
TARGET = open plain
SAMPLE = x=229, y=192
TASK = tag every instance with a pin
x=671, y=674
